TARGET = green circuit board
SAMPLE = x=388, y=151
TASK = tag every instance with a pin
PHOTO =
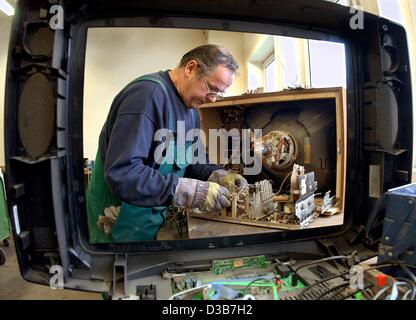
x=255, y=276
x=219, y=266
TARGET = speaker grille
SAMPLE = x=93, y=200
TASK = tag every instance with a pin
x=36, y=115
x=387, y=116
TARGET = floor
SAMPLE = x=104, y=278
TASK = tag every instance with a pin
x=14, y=287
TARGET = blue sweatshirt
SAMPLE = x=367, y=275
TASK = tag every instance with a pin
x=127, y=143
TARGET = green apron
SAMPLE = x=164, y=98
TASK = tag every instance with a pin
x=134, y=223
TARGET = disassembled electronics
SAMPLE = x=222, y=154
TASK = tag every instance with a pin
x=253, y=278
x=279, y=150
x=259, y=278
x=297, y=151
x=259, y=205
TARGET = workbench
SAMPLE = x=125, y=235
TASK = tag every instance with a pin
x=202, y=228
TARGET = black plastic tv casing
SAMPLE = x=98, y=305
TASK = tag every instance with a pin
x=46, y=196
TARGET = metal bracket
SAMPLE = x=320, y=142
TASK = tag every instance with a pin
x=305, y=210
x=120, y=276
x=330, y=250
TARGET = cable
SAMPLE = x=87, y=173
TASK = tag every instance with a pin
x=254, y=281
x=410, y=274
x=392, y=264
x=364, y=291
x=403, y=280
x=288, y=263
x=332, y=289
x=411, y=286
x=189, y=290
x=406, y=294
x=352, y=294
x=374, y=298
x=244, y=187
x=320, y=282
x=380, y=292
x=280, y=189
x=394, y=288
x=325, y=259
x=368, y=293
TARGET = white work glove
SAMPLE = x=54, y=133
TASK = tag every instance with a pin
x=106, y=221
x=228, y=179
x=203, y=195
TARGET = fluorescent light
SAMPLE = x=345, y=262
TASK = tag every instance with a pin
x=6, y=8
x=16, y=220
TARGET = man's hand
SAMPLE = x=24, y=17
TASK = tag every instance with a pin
x=228, y=179
x=204, y=195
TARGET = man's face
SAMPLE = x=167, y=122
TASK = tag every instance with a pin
x=205, y=87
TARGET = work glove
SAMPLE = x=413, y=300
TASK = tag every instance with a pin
x=228, y=179
x=203, y=195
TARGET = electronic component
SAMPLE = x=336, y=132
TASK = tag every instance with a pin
x=219, y=266
x=259, y=205
x=279, y=150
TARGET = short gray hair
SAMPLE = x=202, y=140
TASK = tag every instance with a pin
x=209, y=56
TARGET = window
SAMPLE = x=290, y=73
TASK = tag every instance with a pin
x=343, y=2
x=270, y=74
x=289, y=61
x=327, y=64
x=391, y=10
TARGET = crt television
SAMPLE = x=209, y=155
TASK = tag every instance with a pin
x=55, y=79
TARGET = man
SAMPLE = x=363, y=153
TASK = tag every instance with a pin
x=130, y=190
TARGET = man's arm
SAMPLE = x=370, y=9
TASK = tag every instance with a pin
x=126, y=166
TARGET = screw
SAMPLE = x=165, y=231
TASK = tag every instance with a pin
x=387, y=238
x=411, y=202
x=390, y=254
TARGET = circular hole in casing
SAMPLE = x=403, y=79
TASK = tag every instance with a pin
x=36, y=118
x=387, y=117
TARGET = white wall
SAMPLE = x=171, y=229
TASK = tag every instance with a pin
x=256, y=49
x=233, y=41
x=5, y=25
x=117, y=56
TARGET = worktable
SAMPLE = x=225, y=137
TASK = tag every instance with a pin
x=203, y=228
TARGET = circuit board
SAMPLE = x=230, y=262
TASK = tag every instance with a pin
x=258, y=278
x=219, y=266
x=254, y=276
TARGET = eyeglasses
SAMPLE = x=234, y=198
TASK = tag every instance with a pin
x=211, y=93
